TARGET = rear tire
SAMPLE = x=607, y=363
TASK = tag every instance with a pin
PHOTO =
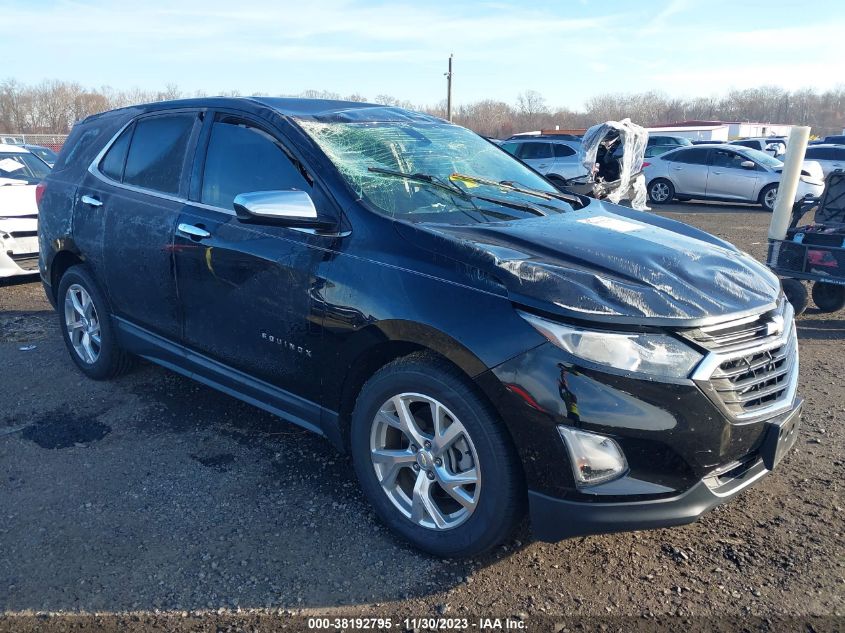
x=796, y=294
x=408, y=474
x=828, y=297
x=661, y=191
x=86, y=326
x=768, y=196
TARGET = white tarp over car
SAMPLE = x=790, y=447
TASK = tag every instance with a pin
x=613, y=155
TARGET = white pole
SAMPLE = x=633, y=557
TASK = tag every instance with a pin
x=796, y=147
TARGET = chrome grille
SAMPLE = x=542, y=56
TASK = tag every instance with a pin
x=753, y=368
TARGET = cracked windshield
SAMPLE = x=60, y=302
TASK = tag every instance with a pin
x=432, y=171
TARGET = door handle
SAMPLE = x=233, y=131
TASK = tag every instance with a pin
x=91, y=201
x=194, y=232
x=717, y=173
x=677, y=168
x=543, y=165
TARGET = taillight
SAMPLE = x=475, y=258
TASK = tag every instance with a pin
x=646, y=165
x=39, y=192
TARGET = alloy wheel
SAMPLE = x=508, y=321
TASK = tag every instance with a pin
x=425, y=461
x=83, y=324
x=770, y=197
x=660, y=192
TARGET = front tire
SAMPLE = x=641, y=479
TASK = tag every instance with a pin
x=768, y=196
x=661, y=191
x=86, y=326
x=796, y=294
x=828, y=297
x=434, y=460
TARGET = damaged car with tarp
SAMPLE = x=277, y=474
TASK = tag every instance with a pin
x=613, y=154
x=481, y=343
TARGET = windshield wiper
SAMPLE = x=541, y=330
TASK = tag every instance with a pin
x=448, y=186
x=515, y=186
x=426, y=178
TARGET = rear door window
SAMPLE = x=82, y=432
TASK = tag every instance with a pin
x=535, y=151
x=157, y=152
x=562, y=151
x=242, y=158
x=511, y=148
x=692, y=156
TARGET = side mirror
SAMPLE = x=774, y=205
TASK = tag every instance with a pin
x=285, y=208
x=748, y=164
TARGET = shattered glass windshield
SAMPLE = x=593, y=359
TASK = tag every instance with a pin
x=432, y=171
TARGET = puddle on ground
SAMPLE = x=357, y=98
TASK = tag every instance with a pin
x=60, y=430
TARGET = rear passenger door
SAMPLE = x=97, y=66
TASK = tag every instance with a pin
x=246, y=289
x=138, y=189
x=688, y=170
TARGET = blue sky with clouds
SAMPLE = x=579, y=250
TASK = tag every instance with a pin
x=567, y=50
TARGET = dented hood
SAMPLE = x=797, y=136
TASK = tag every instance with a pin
x=609, y=263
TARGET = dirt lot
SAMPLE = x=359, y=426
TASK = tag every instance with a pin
x=159, y=503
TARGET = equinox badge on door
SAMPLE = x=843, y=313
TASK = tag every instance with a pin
x=286, y=344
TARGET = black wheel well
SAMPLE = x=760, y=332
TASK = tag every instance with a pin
x=61, y=262
x=372, y=360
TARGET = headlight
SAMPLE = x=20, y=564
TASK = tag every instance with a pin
x=595, y=458
x=651, y=355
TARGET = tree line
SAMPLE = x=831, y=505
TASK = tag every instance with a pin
x=53, y=106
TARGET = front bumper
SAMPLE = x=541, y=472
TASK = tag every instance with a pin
x=553, y=519
x=18, y=246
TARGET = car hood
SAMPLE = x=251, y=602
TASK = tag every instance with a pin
x=16, y=199
x=609, y=263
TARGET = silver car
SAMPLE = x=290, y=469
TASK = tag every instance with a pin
x=731, y=173
x=559, y=160
x=831, y=157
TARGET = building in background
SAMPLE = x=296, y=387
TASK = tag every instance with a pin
x=721, y=130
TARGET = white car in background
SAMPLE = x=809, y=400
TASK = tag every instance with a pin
x=20, y=172
x=557, y=159
x=829, y=156
x=730, y=173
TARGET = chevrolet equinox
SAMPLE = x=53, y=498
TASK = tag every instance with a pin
x=482, y=344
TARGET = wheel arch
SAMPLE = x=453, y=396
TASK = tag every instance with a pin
x=383, y=343
x=59, y=265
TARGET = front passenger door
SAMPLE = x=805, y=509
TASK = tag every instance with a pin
x=727, y=178
x=246, y=289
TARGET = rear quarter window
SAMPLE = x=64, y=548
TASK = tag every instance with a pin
x=115, y=159
x=157, y=152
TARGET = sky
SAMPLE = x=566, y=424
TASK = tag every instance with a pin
x=567, y=50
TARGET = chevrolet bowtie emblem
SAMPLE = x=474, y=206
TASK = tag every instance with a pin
x=775, y=326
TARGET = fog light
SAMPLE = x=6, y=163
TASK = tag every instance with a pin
x=595, y=458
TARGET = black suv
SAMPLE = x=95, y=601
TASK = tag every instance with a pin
x=480, y=342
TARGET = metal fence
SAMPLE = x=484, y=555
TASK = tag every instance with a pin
x=53, y=141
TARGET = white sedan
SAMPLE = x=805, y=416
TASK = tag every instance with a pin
x=20, y=172
x=729, y=173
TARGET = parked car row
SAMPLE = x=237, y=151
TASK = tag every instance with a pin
x=727, y=172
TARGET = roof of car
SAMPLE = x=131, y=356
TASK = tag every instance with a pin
x=318, y=109
x=15, y=149
x=542, y=139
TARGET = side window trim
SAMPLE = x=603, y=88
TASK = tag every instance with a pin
x=94, y=167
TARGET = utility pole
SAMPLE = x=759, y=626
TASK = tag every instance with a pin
x=449, y=90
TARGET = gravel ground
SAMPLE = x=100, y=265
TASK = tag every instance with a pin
x=158, y=503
